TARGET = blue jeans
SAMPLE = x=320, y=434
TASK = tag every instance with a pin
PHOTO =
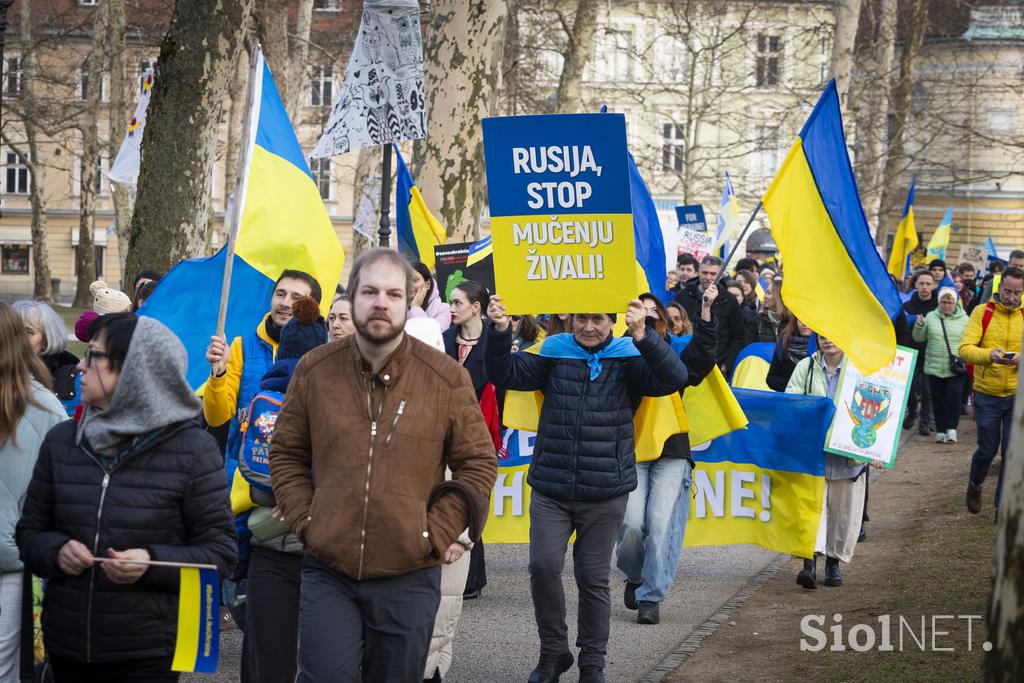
x=651, y=538
x=994, y=415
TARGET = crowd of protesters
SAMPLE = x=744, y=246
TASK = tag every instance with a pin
x=349, y=544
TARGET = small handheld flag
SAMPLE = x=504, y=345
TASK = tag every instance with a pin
x=418, y=231
x=905, y=241
x=940, y=240
x=728, y=217
x=197, y=645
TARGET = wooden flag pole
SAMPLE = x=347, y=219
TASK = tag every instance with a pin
x=241, y=186
x=384, y=233
x=158, y=563
x=736, y=246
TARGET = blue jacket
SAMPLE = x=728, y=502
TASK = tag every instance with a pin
x=584, y=448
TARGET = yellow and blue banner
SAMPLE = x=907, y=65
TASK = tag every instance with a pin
x=418, y=231
x=765, y=484
x=561, y=217
x=835, y=280
x=478, y=251
x=940, y=238
x=197, y=644
x=905, y=242
x=284, y=225
x=752, y=365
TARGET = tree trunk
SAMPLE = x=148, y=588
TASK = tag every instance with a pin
x=902, y=99
x=569, y=98
x=297, y=65
x=272, y=28
x=1005, y=661
x=235, y=119
x=197, y=58
x=847, y=21
x=874, y=116
x=120, y=194
x=462, y=78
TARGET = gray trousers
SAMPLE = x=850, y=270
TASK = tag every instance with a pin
x=596, y=524
x=369, y=630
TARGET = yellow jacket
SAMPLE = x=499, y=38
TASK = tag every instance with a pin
x=1004, y=332
x=220, y=397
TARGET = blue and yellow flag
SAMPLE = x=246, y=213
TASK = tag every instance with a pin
x=418, y=231
x=284, y=226
x=764, y=484
x=835, y=280
x=752, y=365
x=905, y=242
x=728, y=218
x=197, y=644
x=940, y=239
x=650, y=243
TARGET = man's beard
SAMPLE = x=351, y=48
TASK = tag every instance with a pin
x=378, y=336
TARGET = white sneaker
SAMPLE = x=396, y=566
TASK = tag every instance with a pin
x=950, y=436
x=940, y=437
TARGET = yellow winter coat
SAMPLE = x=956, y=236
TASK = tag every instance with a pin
x=1004, y=332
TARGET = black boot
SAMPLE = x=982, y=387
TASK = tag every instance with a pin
x=591, y=674
x=648, y=613
x=808, y=576
x=550, y=668
x=629, y=595
x=833, y=577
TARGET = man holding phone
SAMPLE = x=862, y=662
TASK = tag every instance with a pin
x=992, y=343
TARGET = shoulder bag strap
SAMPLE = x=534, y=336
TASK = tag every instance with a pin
x=942, y=322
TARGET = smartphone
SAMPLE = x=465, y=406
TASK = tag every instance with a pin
x=1009, y=355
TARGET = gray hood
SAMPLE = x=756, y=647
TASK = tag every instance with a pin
x=152, y=391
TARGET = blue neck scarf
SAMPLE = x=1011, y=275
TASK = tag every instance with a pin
x=566, y=346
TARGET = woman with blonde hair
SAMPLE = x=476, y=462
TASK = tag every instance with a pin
x=27, y=412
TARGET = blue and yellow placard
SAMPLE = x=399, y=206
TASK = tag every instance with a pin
x=198, y=641
x=561, y=216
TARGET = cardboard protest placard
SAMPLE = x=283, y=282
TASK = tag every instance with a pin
x=451, y=268
x=697, y=243
x=692, y=216
x=561, y=216
x=869, y=410
x=976, y=256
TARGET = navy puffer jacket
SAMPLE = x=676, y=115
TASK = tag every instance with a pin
x=584, y=448
x=169, y=497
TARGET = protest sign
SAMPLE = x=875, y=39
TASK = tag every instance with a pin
x=869, y=410
x=976, y=256
x=692, y=216
x=561, y=216
x=452, y=268
x=697, y=243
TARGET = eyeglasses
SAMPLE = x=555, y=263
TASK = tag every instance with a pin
x=91, y=353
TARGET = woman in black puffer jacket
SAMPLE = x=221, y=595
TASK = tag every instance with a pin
x=136, y=479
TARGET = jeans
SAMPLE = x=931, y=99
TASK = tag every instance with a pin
x=994, y=415
x=920, y=404
x=551, y=524
x=271, y=638
x=651, y=538
x=947, y=393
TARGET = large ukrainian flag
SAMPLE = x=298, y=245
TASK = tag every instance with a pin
x=418, y=230
x=284, y=226
x=835, y=280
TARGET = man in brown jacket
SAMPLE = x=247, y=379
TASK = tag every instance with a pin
x=368, y=426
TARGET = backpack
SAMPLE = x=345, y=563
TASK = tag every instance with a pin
x=257, y=431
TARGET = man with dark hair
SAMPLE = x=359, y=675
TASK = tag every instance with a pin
x=687, y=265
x=938, y=270
x=730, y=330
x=378, y=417
x=992, y=342
x=583, y=467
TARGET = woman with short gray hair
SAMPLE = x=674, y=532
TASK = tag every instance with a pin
x=48, y=337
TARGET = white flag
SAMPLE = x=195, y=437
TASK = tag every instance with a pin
x=125, y=169
x=381, y=100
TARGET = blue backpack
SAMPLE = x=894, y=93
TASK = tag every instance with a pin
x=257, y=431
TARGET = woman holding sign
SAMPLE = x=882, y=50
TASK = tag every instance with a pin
x=136, y=480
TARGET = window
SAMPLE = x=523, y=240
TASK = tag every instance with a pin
x=14, y=259
x=12, y=77
x=675, y=60
x=100, y=254
x=86, y=80
x=322, y=92
x=16, y=178
x=321, y=170
x=673, y=145
x=617, y=54
x=824, y=59
x=100, y=170
x=143, y=65
x=765, y=158
x=1001, y=120
x=327, y=5
x=767, y=66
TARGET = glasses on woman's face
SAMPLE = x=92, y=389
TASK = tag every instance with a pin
x=91, y=353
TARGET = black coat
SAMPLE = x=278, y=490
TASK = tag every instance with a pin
x=170, y=497
x=474, y=361
x=584, y=448
x=731, y=332
x=699, y=358
x=63, y=368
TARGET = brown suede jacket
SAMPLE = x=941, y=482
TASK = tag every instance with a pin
x=355, y=457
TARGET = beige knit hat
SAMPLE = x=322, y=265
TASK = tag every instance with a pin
x=106, y=300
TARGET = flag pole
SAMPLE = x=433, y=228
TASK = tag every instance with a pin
x=158, y=563
x=384, y=233
x=241, y=185
x=736, y=245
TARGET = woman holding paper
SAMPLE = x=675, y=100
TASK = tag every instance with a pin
x=133, y=486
